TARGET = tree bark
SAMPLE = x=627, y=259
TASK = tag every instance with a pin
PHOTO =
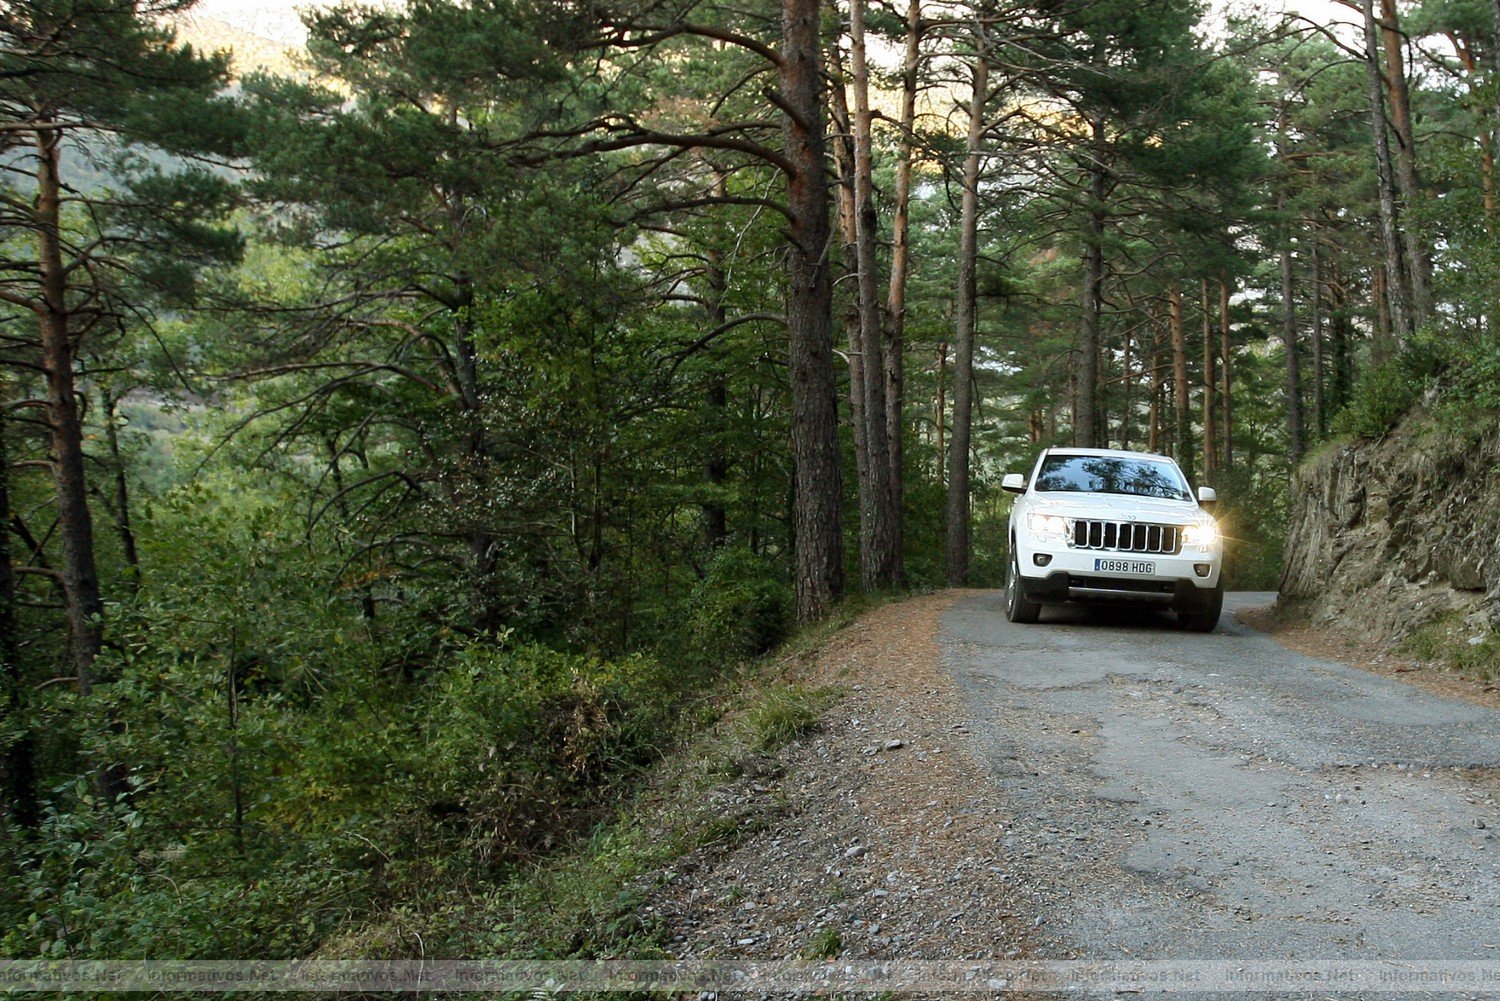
x=75, y=523
x=1339, y=338
x=1210, y=376
x=1182, y=412
x=942, y=409
x=1085, y=428
x=109, y=404
x=1288, y=307
x=895, y=348
x=1319, y=403
x=880, y=566
x=1153, y=418
x=1397, y=281
x=1226, y=396
x=1408, y=181
x=843, y=158
x=1380, y=344
x=1294, y=428
x=815, y=449
x=966, y=320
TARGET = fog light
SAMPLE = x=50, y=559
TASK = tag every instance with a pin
x=1041, y=559
x=1202, y=569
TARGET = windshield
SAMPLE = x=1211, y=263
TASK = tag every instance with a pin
x=1104, y=474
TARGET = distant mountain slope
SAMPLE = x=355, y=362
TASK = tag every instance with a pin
x=252, y=52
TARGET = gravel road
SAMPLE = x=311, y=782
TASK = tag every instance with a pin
x=1176, y=795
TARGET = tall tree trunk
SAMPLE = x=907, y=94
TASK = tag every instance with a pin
x=1153, y=423
x=880, y=566
x=110, y=405
x=1288, y=299
x=1227, y=395
x=966, y=319
x=1210, y=376
x=1085, y=429
x=843, y=158
x=1381, y=343
x=1319, y=403
x=17, y=758
x=75, y=523
x=815, y=445
x=1339, y=338
x=942, y=409
x=1407, y=180
x=1182, y=404
x=895, y=348
x=1294, y=427
x=1397, y=283
x=1125, y=408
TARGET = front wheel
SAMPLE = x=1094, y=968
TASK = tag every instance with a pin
x=1018, y=607
x=1205, y=617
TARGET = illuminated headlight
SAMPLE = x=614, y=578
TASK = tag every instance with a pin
x=1200, y=536
x=1048, y=524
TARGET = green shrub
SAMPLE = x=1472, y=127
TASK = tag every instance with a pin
x=741, y=608
x=1473, y=401
x=517, y=739
x=1461, y=370
x=1382, y=395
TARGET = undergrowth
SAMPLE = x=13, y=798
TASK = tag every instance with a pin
x=585, y=900
x=1459, y=376
x=1452, y=643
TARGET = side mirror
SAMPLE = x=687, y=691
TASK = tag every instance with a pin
x=1208, y=496
x=1014, y=482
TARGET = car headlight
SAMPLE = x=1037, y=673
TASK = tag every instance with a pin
x=1200, y=536
x=1047, y=525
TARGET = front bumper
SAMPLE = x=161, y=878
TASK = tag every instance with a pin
x=1072, y=575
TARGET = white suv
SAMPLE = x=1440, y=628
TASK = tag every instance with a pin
x=1104, y=525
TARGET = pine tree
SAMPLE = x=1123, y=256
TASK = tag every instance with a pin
x=103, y=83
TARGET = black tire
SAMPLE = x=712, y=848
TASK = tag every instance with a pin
x=1204, y=618
x=1018, y=607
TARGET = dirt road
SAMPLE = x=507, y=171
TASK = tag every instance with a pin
x=1186, y=796
x=1101, y=787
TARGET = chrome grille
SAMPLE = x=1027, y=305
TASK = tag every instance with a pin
x=1125, y=536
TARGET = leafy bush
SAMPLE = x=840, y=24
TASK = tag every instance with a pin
x=1462, y=371
x=1473, y=402
x=741, y=608
x=514, y=740
x=1383, y=394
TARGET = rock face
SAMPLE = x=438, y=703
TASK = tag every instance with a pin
x=1386, y=536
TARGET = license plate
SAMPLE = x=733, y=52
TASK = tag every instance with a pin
x=1125, y=566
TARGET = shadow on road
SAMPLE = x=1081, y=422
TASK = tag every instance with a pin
x=1110, y=615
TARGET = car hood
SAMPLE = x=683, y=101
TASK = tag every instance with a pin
x=1118, y=506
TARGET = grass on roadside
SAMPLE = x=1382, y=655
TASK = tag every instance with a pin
x=1450, y=643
